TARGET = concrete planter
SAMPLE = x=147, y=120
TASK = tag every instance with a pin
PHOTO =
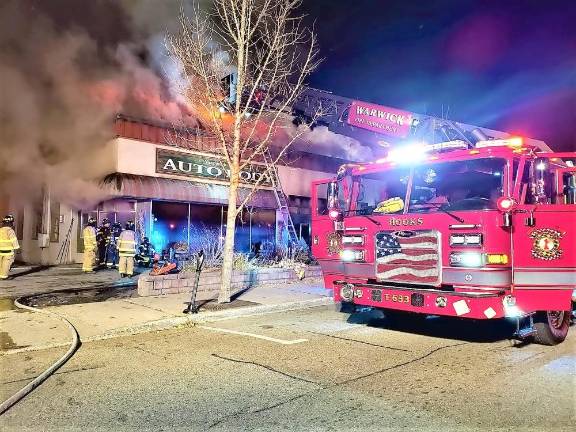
x=210, y=281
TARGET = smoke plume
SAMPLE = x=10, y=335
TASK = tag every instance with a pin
x=66, y=69
x=325, y=142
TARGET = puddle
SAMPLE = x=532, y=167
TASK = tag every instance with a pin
x=7, y=304
x=85, y=295
x=6, y=342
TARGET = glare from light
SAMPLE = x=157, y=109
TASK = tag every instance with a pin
x=351, y=255
x=541, y=166
x=513, y=311
x=466, y=259
x=409, y=153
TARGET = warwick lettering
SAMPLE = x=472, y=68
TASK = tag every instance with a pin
x=192, y=165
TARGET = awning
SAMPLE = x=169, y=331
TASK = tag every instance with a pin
x=126, y=185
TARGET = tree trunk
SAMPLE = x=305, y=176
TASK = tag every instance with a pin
x=228, y=258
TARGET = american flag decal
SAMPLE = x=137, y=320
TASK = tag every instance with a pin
x=407, y=256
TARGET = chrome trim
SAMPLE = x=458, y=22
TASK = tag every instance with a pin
x=464, y=226
x=354, y=229
x=475, y=276
x=536, y=277
x=472, y=294
x=348, y=268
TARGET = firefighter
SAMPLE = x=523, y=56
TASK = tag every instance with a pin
x=102, y=238
x=127, y=250
x=112, y=256
x=89, y=234
x=145, y=253
x=8, y=245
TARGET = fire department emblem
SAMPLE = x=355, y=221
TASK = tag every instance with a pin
x=334, y=241
x=546, y=243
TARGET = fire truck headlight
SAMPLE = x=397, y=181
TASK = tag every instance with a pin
x=466, y=259
x=511, y=310
x=353, y=240
x=350, y=255
x=466, y=239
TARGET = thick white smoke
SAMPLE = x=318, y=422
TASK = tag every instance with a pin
x=65, y=72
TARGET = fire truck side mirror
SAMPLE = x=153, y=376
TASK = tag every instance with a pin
x=506, y=220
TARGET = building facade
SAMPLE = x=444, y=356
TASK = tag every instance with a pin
x=173, y=184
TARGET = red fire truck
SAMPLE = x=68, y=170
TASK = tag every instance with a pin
x=480, y=230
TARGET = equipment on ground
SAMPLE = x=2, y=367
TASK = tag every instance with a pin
x=192, y=307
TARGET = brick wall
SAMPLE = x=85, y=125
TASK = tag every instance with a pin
x=210, y=281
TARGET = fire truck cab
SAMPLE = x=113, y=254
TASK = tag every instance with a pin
x=484, y=232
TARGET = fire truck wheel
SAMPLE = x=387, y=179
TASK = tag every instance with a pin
x=551, y=327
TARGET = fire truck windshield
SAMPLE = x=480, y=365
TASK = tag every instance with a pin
x=443, y=186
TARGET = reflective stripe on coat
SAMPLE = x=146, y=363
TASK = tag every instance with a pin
x=89, y=234
x=127, y=243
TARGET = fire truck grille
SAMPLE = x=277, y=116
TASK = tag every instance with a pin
x=408, y=256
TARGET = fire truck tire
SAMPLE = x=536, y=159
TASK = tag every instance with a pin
x=551, y=327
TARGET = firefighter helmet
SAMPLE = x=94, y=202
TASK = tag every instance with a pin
x=91, y=221
x=105, y=222
x=145, y=240
x=8, y=220
x=130, y=225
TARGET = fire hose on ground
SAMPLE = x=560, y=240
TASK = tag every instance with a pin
x=8, y=403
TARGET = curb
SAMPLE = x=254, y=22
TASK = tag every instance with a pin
x=188, y=321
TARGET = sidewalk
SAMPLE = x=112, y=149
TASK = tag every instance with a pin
x=24, y=330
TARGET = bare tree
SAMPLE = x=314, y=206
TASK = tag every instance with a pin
x=270, y=52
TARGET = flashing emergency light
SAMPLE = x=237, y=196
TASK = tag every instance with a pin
x=416, y=152
x=350, y=255
x=448, y=145
x=410, y=153
x=334, y=214
x=513, y=142
x=497, y=259
x=506, y=204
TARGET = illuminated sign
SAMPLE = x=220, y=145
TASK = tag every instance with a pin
x=380, y=119
x=206, y=167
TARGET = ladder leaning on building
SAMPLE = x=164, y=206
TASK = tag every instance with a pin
x=281, y=198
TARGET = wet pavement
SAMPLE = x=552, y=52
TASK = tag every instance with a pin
x=29, y=281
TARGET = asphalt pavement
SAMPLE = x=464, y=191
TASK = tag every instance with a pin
x=304, y=370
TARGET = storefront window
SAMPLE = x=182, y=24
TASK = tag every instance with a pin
x=169, y=226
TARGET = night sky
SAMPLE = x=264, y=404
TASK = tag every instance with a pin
x=508, y=65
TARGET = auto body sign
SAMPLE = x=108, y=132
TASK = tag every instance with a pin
x=206, y=167
x=380, y=119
